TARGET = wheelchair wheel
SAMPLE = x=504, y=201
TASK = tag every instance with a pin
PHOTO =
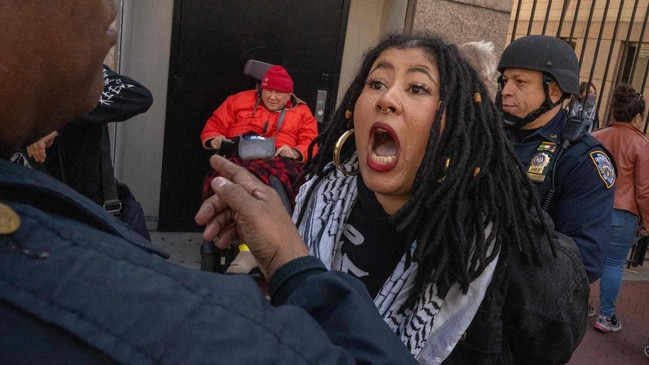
x=208, y=256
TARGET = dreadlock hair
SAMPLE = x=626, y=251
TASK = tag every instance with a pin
x=450, y=207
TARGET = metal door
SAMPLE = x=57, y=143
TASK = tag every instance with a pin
x=211, y=42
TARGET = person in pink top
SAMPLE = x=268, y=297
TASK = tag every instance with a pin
x=630, y=149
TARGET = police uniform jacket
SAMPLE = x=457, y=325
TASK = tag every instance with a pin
x=584, y=181
x=77, y=287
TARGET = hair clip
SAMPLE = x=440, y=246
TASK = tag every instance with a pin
x=477, y=98
x=447, y=163
x=348, y=114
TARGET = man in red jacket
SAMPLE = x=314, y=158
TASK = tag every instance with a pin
x=259, y=112
x=273, y=111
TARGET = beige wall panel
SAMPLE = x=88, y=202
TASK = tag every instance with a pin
x=463, y=21
x=363, y=31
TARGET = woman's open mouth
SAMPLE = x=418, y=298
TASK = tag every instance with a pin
x=384, y=148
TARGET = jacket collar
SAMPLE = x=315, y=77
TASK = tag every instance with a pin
x=550, y=132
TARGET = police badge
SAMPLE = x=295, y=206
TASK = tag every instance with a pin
x=538, y=166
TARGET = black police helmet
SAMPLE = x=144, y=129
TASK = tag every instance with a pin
x=546, y=54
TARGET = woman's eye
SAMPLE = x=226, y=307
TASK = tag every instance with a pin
x=418, y=89
x=375, y=84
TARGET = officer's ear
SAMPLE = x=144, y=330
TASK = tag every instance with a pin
x=554, y=91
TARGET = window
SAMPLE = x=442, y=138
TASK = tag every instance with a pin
x=635, y=63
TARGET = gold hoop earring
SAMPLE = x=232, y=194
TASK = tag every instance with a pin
x=337, y=148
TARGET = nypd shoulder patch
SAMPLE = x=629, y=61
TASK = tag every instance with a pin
x=604, y=168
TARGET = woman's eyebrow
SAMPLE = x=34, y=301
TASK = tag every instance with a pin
x=382, y=66
x=423, y=70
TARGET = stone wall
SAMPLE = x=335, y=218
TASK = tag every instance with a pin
x=462, y=21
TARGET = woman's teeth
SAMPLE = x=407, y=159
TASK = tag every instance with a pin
x=382, y=159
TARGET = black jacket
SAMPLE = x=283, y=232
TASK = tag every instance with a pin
x=75, y=156
x=531, y=314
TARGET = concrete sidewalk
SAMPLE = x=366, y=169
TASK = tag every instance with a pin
x=621, y=348
x=632, y=309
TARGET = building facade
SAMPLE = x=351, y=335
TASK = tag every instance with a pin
x=610, y=38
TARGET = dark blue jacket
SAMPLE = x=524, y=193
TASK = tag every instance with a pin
x=584, y=183
x=77, y=287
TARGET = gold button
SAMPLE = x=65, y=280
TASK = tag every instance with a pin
x=9, y=220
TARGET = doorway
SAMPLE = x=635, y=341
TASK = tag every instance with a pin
x=211, y=42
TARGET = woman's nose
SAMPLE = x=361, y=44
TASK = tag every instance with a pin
x=388, y=103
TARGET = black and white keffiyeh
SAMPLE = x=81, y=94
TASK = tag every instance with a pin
x=432, y=327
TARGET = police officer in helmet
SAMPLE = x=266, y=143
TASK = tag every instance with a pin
x=572, y=171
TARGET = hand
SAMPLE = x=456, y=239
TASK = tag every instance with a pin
x=37, y=150
x=643, y=232
x=244, y=207
x=216, y=142
x=289, y=152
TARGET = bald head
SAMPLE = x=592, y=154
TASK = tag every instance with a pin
x=50, y=64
